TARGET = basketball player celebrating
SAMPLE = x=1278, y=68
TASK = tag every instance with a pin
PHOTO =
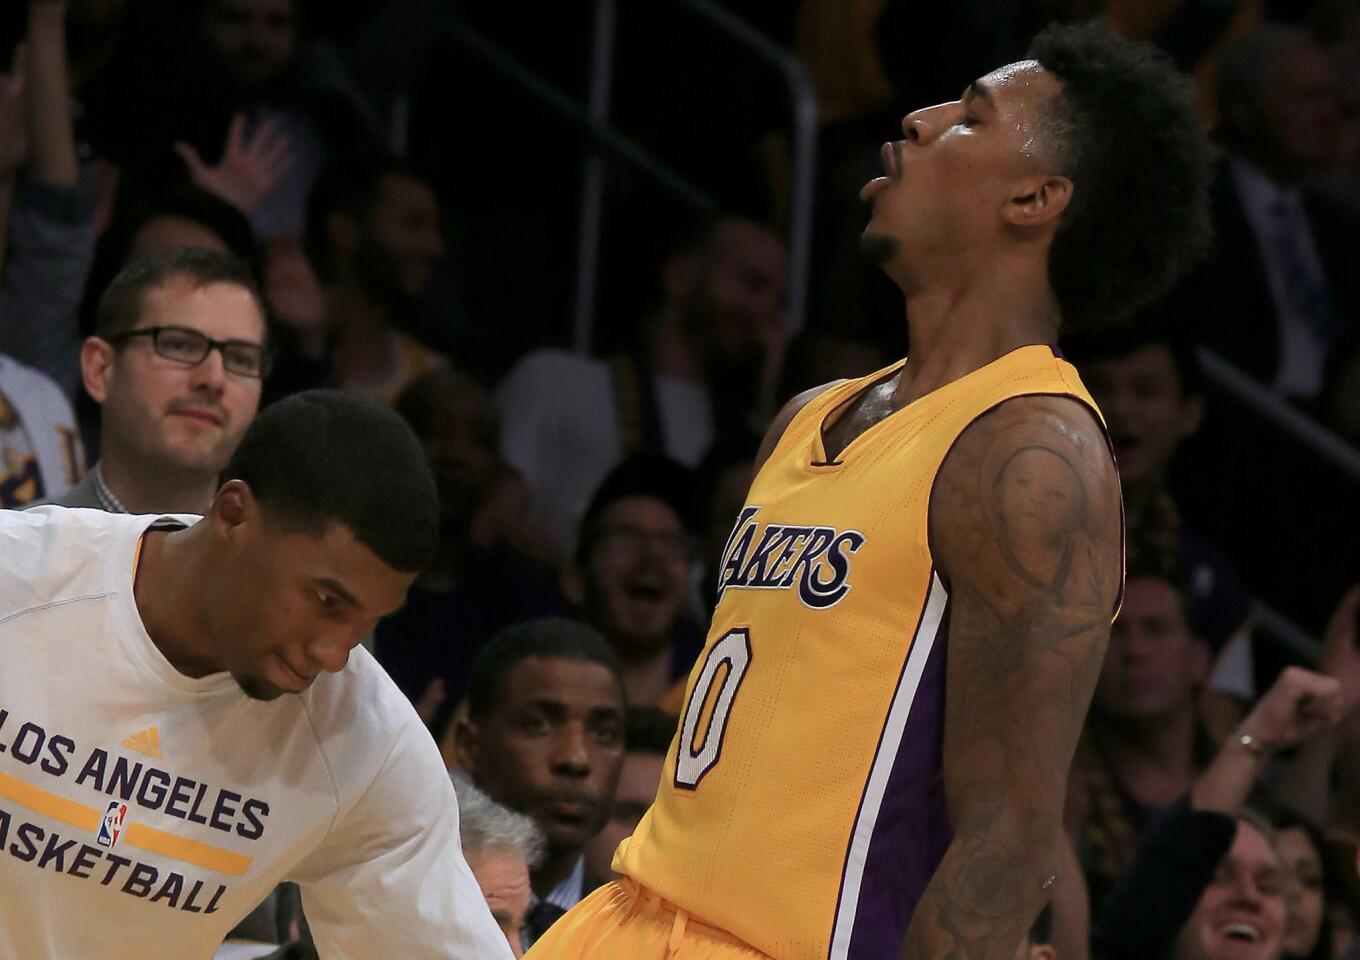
x=916, y=599
x=155, y=780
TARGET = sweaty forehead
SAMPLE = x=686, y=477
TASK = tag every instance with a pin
x=1023, y=85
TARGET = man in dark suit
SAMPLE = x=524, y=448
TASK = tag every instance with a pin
x=1280, y=288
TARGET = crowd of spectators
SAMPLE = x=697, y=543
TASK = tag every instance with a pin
x=206, y=205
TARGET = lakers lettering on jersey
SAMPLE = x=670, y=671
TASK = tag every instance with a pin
x=802, y=808
x=815, y=560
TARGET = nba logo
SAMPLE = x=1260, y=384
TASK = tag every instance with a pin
x=112, y=826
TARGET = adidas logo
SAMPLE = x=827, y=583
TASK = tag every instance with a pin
x=145, y=741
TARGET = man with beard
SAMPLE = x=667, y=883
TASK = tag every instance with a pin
x=544, y=737
x=916, y=598
x=176, y=363
x=708, y=364
x=373, y=240
x=630, y=575
x=482, y=578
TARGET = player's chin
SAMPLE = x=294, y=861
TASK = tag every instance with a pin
x=877, y=247
x=258, y=688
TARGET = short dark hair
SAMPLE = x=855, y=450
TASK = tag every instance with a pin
x=322, y=457
x=543, y=637
x=1124, y=130
x=640, y=475
x=121, y=305
x=1148, y=330
x=649, y=730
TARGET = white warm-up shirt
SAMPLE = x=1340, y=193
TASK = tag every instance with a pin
x=144, y=812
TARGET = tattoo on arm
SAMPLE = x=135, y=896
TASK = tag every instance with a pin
x=1025, y=524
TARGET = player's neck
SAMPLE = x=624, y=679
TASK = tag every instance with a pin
x=169, y=573
x=143, y=487
x=958, y=327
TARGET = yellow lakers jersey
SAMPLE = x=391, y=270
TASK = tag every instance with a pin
x=802, y=808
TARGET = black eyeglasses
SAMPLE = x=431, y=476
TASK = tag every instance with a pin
x=189, y=347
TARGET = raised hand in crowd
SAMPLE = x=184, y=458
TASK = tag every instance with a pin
x=1300, y=705
x=250, y=166
x=1306, y=786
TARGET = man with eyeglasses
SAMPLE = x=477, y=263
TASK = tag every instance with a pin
x=176, y=363
x=631, y=573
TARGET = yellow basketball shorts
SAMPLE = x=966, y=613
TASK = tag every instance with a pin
x=625, y=921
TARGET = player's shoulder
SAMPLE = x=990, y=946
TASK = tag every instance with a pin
x=50, y=554
x=1064, y=424
x=52, y=542
x=1033, y=471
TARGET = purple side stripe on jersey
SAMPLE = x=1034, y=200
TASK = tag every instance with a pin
x=913, y=830
x=901, y=828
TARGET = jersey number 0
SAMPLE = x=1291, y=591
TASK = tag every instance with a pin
x=694, y=756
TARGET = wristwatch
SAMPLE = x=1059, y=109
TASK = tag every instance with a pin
x=1251, y=744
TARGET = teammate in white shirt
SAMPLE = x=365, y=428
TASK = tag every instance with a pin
x=155, y=781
